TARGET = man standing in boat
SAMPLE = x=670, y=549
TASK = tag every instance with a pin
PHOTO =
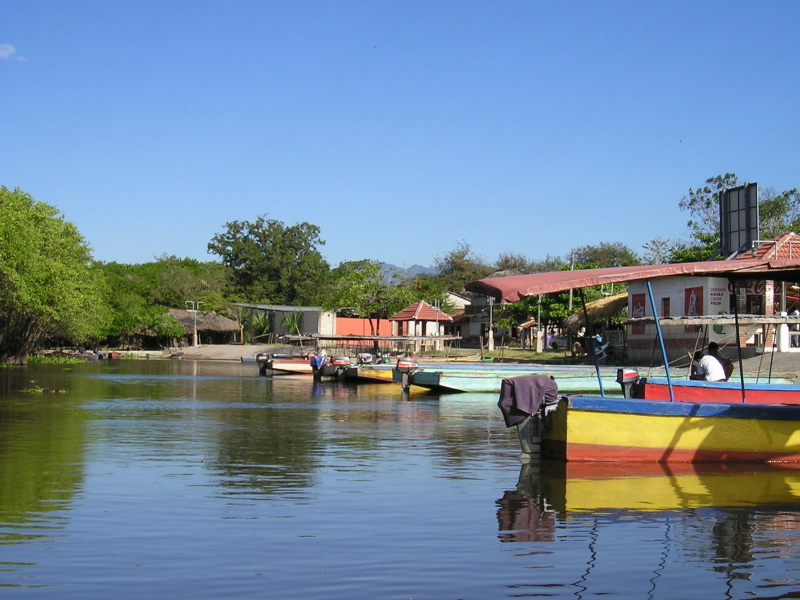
x=715, y=367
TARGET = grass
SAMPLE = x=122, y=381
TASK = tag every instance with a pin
x=553, y=357
x=39, y=359
x=40, y=390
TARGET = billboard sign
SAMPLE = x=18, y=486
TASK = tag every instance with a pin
x=738, y=218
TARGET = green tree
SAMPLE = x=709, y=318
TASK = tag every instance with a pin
x=428, y=287
x=261, y=324
x=509, y=261
x=360, y=289
x=459, y=266
x=48, y=284
x=271, y=262
x=137, y=311
x=657, y=251
x=550, y=263
x=606, y=254
x=292, y=321
x=516, y=313
x=778, y=213
x=702, y=204
x=172, y=281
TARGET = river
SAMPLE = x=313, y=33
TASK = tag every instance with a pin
x=200, y=479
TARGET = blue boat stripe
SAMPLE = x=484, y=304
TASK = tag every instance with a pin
x=686, y=409
x=726, y=385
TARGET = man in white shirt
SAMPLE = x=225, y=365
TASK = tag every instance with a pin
x=715, y=367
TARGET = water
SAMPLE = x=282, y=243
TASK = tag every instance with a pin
x=160, y=479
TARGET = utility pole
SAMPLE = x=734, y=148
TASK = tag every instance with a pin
x=571, y=267
x=195, y=304
x=490, y=341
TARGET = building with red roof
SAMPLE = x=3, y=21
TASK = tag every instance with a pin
x=420, y=320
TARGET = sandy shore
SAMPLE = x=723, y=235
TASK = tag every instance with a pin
x=233, y=352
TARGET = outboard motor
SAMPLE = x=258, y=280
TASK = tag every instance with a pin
x=628, y=378
x=365, y=358
x=337, y=366
x=406, y=368
x=262, y=358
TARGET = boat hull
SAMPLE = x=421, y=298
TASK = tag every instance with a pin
x=593, y=429
x=284, y=366
x=730, y=391
x=490, y=381
x=375, y=373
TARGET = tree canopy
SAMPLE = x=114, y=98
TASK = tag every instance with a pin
x=606, y=254
x=271, y=262
x=459, y=266
x=360, y=289
x=48, y=284
x=140, y=296
x=779, y=213
x=50, y=288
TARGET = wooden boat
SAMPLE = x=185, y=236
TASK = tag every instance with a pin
x=448, y=377
x=381, y=373
x=777, y=391
x=490, y=378
x=596, y=428
x=585, y=428
x=88, y=356
x=283, y=364
x=334, y=368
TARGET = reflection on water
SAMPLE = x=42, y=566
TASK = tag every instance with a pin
x=204, y=480
x=739, y=520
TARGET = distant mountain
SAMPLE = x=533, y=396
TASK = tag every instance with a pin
x=411, y=271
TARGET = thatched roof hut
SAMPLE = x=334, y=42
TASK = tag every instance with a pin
x=599, y=310
x=209, y=321
x=214, y=328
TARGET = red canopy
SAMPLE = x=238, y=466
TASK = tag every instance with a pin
x=511, y=289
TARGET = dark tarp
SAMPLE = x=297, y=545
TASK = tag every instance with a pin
x=522, y=396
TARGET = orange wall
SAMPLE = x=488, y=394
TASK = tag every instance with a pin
x=352, y=326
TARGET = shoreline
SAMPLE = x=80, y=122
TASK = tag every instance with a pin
x=779, y=364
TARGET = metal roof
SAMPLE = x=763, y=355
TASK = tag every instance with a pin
x=511, y=289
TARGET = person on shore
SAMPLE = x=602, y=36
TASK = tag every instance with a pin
x=715, y=367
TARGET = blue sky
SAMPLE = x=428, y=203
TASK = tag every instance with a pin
x=399, y=128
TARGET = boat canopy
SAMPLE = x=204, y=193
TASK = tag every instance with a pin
x=516, y=287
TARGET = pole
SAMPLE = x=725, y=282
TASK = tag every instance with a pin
x=660, y=337
x=490, y=341
x=195, y=304
x=571, y=267
x=732, y=284
x=590, y=340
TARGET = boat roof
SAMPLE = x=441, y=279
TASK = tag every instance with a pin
x=516, y=287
